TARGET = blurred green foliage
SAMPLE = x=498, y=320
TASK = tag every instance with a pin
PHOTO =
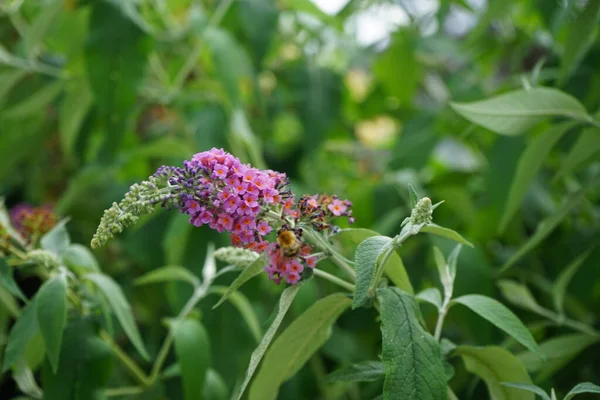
x=95, y=95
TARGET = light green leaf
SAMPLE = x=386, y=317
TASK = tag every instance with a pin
x=586, y=146
x=452, y=261
x=394, y=268
x=168, y=274
x=79, y=257
x=411, y=356
x=496, y=313
x=57, y=239
x=215, y=387
x=414, y=197
x=7, y=281
x=242, y=304
x=34, y=103
x=584, y=387
x=559, y=288
x=445, y=232
x=366, y=371
x=9, y=303
x=548, y=225
x=8, y=80
x=495, y=365
x=582, y=34
x=6, y=224
x=25, y=380
x=73, y=109
x=192, y=347
x=515, y=112
x=209, y=269
x=310, y=8
x=248, y=273
x=51, y=308
x=296, y=345
x=432, y=296
x=368, y=259
x=20, y=336
x=120, y=306
x=528, y=387
x=176, y=238
x=43, y=23
x=528, y=167
x=440, y=263
x=284, y=304
x=518, y=295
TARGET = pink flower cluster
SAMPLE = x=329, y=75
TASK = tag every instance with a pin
x=233, y=195
x=291, y=269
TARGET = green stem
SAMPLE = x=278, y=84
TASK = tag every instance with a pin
x=124, y=391
x=131, y=366
x=442, y=316
x=334, y=279
x=335, y=257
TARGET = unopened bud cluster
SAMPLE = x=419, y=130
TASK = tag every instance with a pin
x=422, y=213
x=236, y=256
x=43, y=258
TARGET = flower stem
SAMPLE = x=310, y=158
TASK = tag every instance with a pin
x=334, y=279
x=442, y=315
x=133, y=368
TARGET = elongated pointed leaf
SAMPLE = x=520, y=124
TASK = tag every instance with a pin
x=369, y=255
x=7, y=281
x=285, y=301
x=80, y=259
x=518, y=294
x=242, y=304
x=192, y=347
x=57, y=239
x=248, y=273
x=446, y=233
x=168, y=274
x=51, y=310
x=585, y=387
x=394, y=268
x=432, y=296
x=529, y=165
x=366, y=371
x=496, y=313
x=120, y=306
x=584, y=149
x=414, y=197
x=559, y=289
x=411, y=356
x=528, y=387
x=296, y=345
x=20, y=336
x=495, y=365
x=515, y=112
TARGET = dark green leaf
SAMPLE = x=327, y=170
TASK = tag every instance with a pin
x=584, y=149
x=584, y=387
x=518, y=295
x=34, y=103
x=120, y=306
x=215, y=387
x=193, y=352
x=285, y=302
x=296, y=345
x=559, y=289
x=366, y=371
x=529, y=165
x=51, y=306
x=515, y=112
x=168, y=274
x=244, y=307
x=248, y=273
x=7, y=281
x=411, y=356
x=495, y=365
x=72, y=112
x=496, y=313
x=20, y=336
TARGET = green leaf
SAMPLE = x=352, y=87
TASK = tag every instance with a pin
x=584, y=387
x=495, y=365
x=308, y=7
x=518, y=295
x=168, y=274
x=57, y=239
x=528, y=167
x=296, y=345
x=414, y=197
x=8, y=282
x=23, y=377
x=366, y=371
x=242, y=304
x=559, y=288
x=582, y=34
x=248, y=273
x=528, y=387
x=6, y=224
x=74, y=107
x=51, y=306
x=432, y=296
x=440, y=263
x=114, y=72
x=411, y=356
x=586, y=146
x=548, y=224
x=215, y=387
x=176, y=238
x=43, y=23
x=85, y=364
x=209, y=270
x=284, y=304
x=120, y=306
x=34, y=103
x=513, y=113
x=368, y=259
x=496, y=313
x=452, y=261
x=446, y=233
x=79, y=258
x=20, y=336
x=394, y=268
x=9, y=303
x=8, y=80
x=192, y=347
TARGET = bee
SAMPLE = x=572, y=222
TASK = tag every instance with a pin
x=288, y=242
